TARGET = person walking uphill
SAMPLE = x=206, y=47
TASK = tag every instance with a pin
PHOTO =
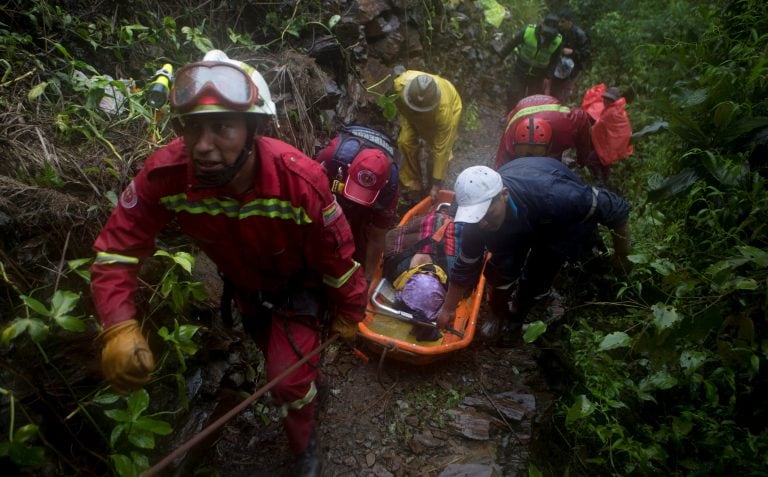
x=538, y=50
x=576, y=56
x=261, y=210
x=532, y=215
x=430, y=110
x=363, y=172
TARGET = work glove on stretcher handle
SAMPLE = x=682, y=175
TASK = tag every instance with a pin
x=346, y=329
x=126, y=360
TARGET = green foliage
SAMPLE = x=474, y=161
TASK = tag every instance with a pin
x=35, y=323
x=180, y=339
x=471, y=117
x=20, y=446
x=138, y=429
x=668, y=383
x=172, y=285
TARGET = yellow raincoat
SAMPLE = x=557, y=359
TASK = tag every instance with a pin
x=438, y=128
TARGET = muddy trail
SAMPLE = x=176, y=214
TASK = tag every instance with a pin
x=480, y=411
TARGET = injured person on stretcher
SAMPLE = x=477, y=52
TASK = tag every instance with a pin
x=417, y=260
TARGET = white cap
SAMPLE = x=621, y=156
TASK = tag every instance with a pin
x=475, y=188
x=269, y=106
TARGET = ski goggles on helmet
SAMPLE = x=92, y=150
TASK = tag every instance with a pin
x=212, y=83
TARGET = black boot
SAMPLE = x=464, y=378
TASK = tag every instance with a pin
x=308, y=464
x=511, y=335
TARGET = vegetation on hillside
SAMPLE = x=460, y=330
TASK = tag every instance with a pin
x=668, y=370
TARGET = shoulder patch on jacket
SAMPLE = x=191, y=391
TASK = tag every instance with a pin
x=331, y=213
x=129, y=199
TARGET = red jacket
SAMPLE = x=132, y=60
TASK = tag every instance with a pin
x=570, y=128
x=287, y=232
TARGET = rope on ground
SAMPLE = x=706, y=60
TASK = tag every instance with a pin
x=234, y=411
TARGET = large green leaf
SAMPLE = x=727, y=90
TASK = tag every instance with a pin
x=581, y=408
x=493, y=12
x=740, y=127
x=725, y=172
x=617, y=339
x=673, y=185
x=664, y=316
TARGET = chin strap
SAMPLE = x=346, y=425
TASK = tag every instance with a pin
x=223, y=177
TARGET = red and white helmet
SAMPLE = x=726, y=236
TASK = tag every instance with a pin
x=220, y=84
x=533, y=131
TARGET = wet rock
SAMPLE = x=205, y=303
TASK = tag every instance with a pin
x=370, y=459
x=470, y=470
x=470, y=424
x=379, y=471
x=429, y=441
x=511, y=405
x=350, y=461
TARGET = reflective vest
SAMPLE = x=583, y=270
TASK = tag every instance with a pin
x=530, y=52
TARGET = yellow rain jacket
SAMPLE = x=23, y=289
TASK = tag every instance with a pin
x=438, y=128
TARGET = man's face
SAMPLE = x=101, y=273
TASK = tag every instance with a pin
x=213, y=141
x=496, y=214
x=565, y=25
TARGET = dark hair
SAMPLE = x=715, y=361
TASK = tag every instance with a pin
x=566, y=14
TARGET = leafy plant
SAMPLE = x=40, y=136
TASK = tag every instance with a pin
x=172, y=285
x=19, y=447
x=135, y=427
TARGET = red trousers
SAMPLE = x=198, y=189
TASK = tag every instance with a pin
x=277, y=341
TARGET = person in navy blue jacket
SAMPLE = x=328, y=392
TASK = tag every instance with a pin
x=533, y=215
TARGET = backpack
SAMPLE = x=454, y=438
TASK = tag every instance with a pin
x=354, y=139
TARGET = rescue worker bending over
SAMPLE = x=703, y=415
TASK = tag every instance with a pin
x=261, y=210
x=570, y=128
x=430, y=111
x=362, y=168
x=532, y=215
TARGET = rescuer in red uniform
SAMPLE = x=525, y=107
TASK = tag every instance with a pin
x=262, y=211
x=570, y=128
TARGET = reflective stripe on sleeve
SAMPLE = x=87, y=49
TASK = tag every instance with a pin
x=339, y=282
x=106, y=258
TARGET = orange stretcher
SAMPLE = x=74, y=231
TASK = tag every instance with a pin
x=389, y=330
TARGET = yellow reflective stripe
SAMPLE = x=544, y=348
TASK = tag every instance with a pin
x=106, y=258
x=272, y=208
x=339, y=282
x=300, y=403
x=557, y=108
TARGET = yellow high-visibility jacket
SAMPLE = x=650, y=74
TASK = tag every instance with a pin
x=438, y=128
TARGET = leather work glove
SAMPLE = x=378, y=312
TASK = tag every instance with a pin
x=346, y=329
x=126, y=360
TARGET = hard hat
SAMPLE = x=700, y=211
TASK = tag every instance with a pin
x=422, y=94
x=533, y=131
x=220, y=90
x=564, y=67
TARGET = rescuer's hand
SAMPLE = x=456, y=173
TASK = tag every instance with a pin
x=346, y=329
x=446, y=317
x=126, y=360
x=433, y=192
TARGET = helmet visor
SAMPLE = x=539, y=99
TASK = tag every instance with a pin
x=212, y=82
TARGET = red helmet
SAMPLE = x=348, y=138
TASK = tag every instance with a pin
x=533, y=131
